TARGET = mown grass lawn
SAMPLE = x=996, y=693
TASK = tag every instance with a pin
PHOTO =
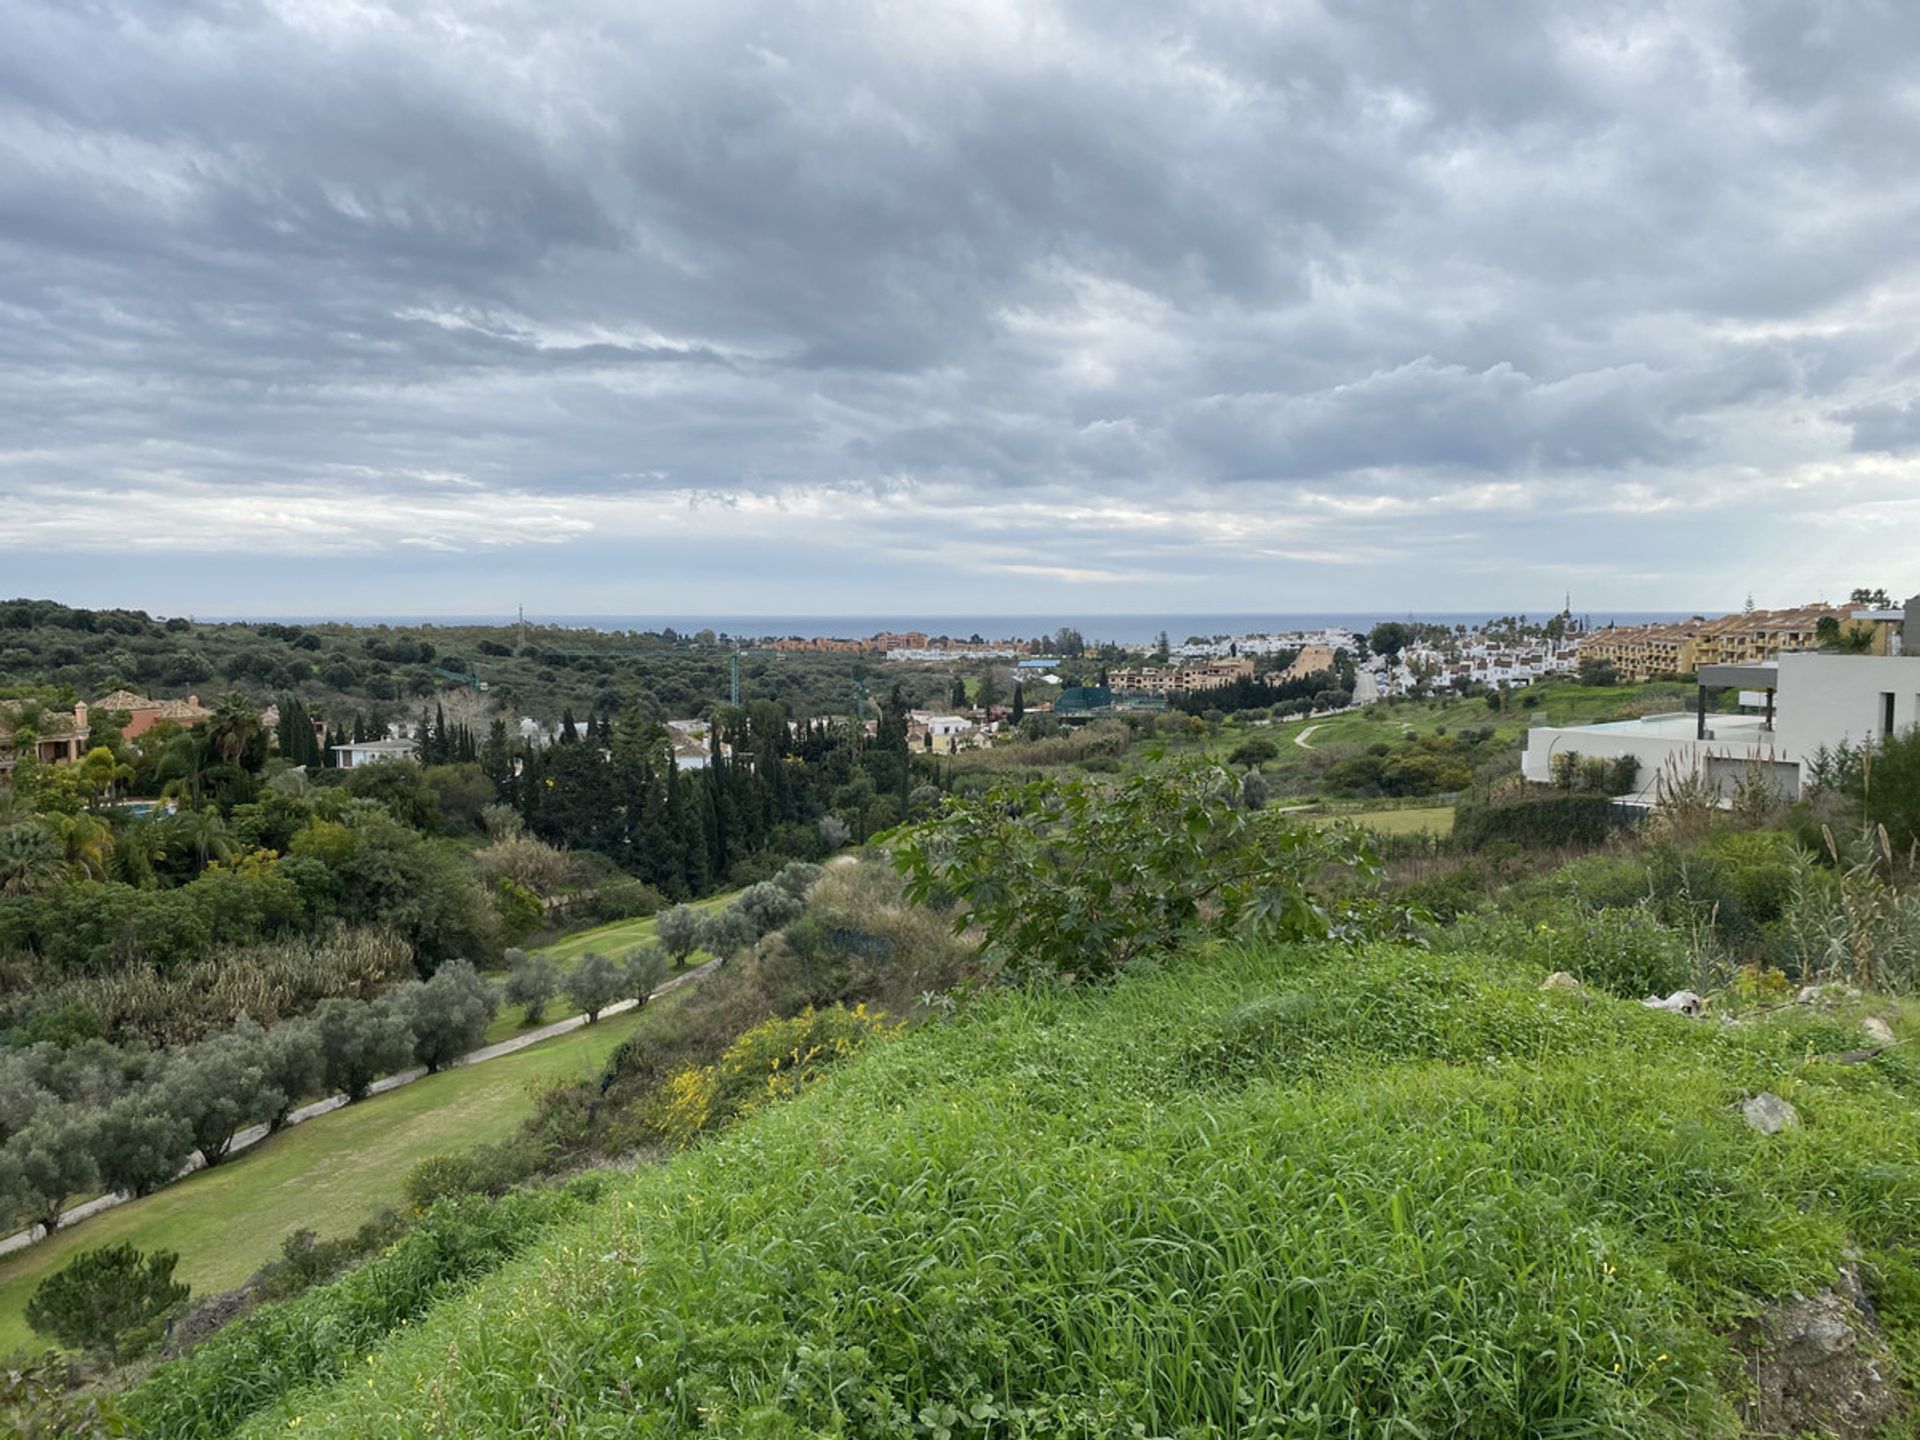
x=327, y=1175
x=1431, y=819
x=616, y=941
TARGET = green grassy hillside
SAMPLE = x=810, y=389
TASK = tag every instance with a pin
x=1255, y=1194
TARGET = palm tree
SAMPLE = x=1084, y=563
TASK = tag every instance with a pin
x=182, y=764
x=102, y=771
x=205, y=833
x=234, y=727
x=30, y=859
x=141, y=850
x=88, y=842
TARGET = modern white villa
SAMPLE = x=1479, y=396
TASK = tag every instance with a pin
x=372, y=752
x=1795, y=705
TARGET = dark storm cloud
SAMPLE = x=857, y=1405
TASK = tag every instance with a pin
x=994, y=286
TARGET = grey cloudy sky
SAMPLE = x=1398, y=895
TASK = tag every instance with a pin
x=1092, y=305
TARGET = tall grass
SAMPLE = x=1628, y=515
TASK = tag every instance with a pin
x=328, y=1332
x=1282, y=1194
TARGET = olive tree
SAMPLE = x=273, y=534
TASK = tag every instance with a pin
x=797, y=878
x=291, y=1060
x=726, y=932
x=768, y=906
x=678, y=931
x=220, y=1086
x=447, y=1014
x=594, y=984
x=359, y=1043
x=140, y=1143
x=50, y=1162
x=643, y=972
x=531, y=984
x=23, y=1088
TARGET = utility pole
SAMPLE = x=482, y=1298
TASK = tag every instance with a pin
x=733, y=665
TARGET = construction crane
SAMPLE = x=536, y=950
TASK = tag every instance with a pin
x=741, y=652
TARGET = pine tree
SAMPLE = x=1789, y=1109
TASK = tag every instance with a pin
x=496, y=758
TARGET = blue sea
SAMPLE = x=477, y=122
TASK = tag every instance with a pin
x=1141, y=629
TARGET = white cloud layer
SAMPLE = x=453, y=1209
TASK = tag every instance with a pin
x=898, y=308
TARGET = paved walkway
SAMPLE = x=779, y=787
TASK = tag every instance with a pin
x=254, y=1134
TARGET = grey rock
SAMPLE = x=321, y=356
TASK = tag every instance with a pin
x=1877, y=1030
x=1768, y=1113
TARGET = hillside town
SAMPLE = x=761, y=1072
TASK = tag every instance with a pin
x=1393, y=660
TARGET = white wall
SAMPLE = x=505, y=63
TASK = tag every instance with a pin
x=1652, y=751
x=1825, y=699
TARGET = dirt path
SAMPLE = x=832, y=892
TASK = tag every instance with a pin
x=1301, y=738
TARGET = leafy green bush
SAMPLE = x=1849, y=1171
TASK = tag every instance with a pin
x=520, y=910
x=772, y=1061
x=1067, y=878
x=1430, y=765
x=488, y=1169
x=1601, y=882
x=1445, y=897
x=38, y=1401
x=625, y=899
x=1538, y=819
x=306, y=1259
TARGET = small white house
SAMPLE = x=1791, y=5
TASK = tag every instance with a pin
x=371, y=752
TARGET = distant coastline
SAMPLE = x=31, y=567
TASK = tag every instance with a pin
x=1134, y=629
